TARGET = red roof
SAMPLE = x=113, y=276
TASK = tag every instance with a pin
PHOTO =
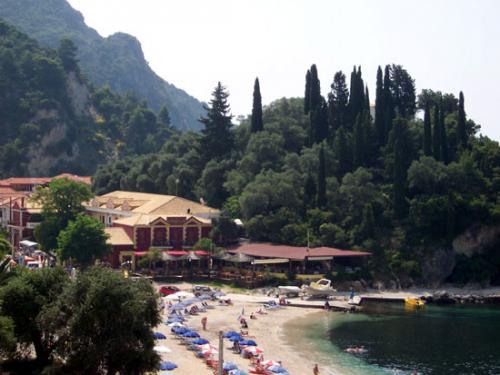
x=42, y=180
x=268, y=250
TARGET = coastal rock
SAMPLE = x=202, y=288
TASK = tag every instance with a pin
x=438, y=266
x=476, y=240
x=442, y=297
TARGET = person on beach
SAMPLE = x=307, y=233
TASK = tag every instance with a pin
x=204, y=323
x=327, y=306
x=316, y=369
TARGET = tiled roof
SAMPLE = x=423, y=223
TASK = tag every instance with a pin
x=117, y=236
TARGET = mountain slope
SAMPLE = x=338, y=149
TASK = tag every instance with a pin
x=117, y=61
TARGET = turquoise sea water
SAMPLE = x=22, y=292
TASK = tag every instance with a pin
x=434, y=340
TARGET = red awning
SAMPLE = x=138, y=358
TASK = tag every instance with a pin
x=202, y=252
x=140, y=253
x=177, y=252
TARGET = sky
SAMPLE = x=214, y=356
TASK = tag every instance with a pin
x=446, y=45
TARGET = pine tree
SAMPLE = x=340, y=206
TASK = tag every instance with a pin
x=307, y=94
x=338, y=99
x=257, y=124
x=461, y=130
x=217, y=138
x=443, y=138
x=436, y=135
x=358, y=146
x=400, y=168
x=343, y=152
x=321, y=201
x=380, y=109
x=427, y=131
x=388, y=102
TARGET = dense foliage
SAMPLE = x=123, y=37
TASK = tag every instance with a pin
x=52, y=121
x=328, y=173
x=117, y=61
x=99, y=323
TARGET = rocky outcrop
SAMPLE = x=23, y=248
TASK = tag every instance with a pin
x=438, y=266
x=477, y=240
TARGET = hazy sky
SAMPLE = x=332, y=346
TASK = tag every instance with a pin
x=446, y=45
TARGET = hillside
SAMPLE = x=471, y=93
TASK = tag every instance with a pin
x=117, y=61
x=52, y=121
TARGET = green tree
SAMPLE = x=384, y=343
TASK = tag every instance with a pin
x=224, y=230
x=403, y=91
x=108, y=323
x=25, y=299
x=5, y=246
x=388, y=101
x=338, y=99
x=379, y=108
x=257, y=123
x=436, y=134
x=217, y=139
x=343, y=152
x=83, y=241
x=427, y=131
x=443, y=139
x=400, y=168
x=461, y=126
x=359, y=146
x=307, y=93
x=321, y=200
x=7, y=337
x=309, y=192
x=67, y=52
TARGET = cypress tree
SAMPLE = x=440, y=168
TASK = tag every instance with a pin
x=400, y=169
x=319, y=118
x=436, y=135
x=357, y=96
x=315, y=93
x=367, y=100
x=343, y=152
x=217, y=138
x=427, y=131
x=307, y=94
x=380, y=109
x=388, y=102
x=257, y=124
x=309, y=192
x=443, y=138
x=321, y=202
x=358, y=146
x=462, y=133
x=338, y=99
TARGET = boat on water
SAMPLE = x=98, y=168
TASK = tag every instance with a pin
x=320, y=288
x=414, y=302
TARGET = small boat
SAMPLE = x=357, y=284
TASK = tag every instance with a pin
x=414, y=302
x=356, y=300
x=290, y=291
x=320, y=288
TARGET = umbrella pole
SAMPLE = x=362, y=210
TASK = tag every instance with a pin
x=221, y=354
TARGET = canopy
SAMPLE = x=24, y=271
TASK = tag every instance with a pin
x=27, y=243
x=312, y=259
x=270, y=261
x=240, y=258
x=193, y=256
x=140, y=253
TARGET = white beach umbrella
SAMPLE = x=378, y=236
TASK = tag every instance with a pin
x=162, y=349
x=175, y=324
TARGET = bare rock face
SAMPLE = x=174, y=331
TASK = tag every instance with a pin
x=438, y=266
x=477, y=240
x=78, y=93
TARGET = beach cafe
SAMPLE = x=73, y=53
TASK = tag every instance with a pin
x=299, y=259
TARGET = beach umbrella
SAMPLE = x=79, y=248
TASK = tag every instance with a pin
x=248, y=343
x=175, y=324
x=205, y=347
x=208, y=352
x=159, y=336
x=228, y=334
x=179, y=330
x=228, y=366
x=182, y=294
x=277, y=369
x=238, y=372
x=254, y=350
x=168, y=366
x=235, y=338
x=161, y=349
x=193, y=256
x=200, y=341
x=178, y=307
x=190, y=334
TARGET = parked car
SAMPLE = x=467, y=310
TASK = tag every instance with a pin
x=137, y=276
x=166, y=290
x=198, y=290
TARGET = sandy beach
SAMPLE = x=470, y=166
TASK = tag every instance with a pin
x=266, y=330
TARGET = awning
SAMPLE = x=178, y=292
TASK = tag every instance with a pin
x=312, y=259
x=140, y=253
x=177, y=252
x=270, y=261
x=202, y=253
x=27, y=243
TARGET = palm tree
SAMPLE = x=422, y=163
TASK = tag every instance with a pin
x=5, y=246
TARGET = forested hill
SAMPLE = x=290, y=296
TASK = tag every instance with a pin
x=421, y=194
x=117, y=61
x=52, y=121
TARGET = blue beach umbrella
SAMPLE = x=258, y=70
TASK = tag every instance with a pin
x=179, y=330
x=248, y=343
x=235, y=338
x=159, y=336
x=200, y=341
x=178, y=307
x=168, y=366
x=190, y=334
x=228, y=366
x=277, y=369
x=228, y=334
